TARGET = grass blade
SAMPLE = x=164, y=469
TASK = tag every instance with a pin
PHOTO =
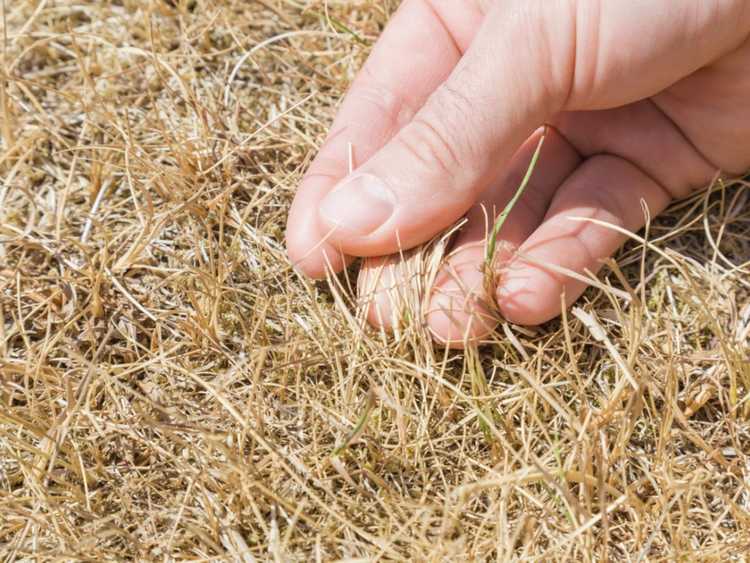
x=492, y=242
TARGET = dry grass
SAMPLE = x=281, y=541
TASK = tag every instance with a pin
x=171, y=390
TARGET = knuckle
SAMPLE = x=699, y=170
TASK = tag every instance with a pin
x=444, y=133
x=394, y=108
x=430, y=145
x=450, y=101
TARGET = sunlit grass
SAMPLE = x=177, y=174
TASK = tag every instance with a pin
x=170, y=389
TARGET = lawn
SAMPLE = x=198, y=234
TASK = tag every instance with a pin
x=171, y=389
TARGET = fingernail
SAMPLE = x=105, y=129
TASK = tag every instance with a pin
x=359, y=204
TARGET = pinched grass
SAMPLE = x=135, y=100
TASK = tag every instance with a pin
x=170, y=389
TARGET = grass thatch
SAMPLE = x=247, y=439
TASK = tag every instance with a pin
x=170, y=389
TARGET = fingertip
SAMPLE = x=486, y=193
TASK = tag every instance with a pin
x=528, y=296
x=311, y=256
x=456, y=322
x=459, y=313
x=378, y=293
x=309, y=248
x=318, y=263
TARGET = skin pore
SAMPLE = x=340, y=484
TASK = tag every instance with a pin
x=645, y=103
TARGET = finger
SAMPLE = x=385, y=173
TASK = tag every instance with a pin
x=708, y=105
x=460, y=309
x=430, y=173
x=385, y=282
x=643, y=135
x=389, y=288
x=639, y=133
x=458, y=298
x=606, y=188
x=528, y=61
x=416, y=52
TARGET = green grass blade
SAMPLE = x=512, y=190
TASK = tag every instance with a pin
x=341, y=27
x=370, y=405
x=492, y=242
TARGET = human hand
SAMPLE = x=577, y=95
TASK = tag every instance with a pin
x=646, y=101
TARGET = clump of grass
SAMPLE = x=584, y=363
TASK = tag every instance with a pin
x=490, y=270
x=171, y=390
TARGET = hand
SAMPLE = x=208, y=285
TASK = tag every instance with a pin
x=646, y=101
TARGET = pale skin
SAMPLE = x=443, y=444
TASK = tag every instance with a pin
x=645, y=101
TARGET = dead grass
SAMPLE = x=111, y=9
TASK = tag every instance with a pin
x=171, y=390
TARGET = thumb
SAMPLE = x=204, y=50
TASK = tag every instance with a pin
x=529, y=60
x=434, y=169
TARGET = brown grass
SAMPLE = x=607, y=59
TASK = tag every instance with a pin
x=171, y=390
